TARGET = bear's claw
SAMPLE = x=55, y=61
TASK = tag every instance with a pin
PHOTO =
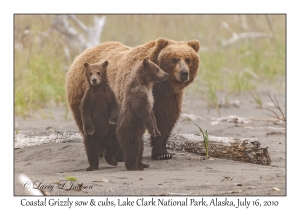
x=89, y=130
x=112, y=163
x=163, y=157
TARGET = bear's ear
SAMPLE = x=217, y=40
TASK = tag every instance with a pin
x=195, y=44
x=105, y=64
x=146, y=61
x=86, y=65
x=162, y=42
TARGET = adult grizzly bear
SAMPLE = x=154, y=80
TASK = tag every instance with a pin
x=179, y=59
x=137, y=114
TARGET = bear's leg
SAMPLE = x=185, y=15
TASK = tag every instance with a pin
x=91, y=148
x=159, y=151
x=119, y=157
x=131, y=150
x=111, y=145
x=101, y=150
x=114, y=117
x=149, y=124
x=132, y=159
x=155, y=124
x=167, y=111
x=141, y=164
x=109, y=156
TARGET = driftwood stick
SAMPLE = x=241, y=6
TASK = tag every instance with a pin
x=31, y=139
x=98, y=26
x=237, y=37
x=74, y=39
x=242, y=36
x=79, y=23
x=238, y=149
x=87, y=36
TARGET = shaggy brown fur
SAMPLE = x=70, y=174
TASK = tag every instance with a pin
x=179, y=58
x=136, y=114
x=99, y=107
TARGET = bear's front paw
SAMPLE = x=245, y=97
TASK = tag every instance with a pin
x=112, y=121
x=157, y=132
x=152, y=133
x=89, y=129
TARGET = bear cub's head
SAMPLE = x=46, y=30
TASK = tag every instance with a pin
x=152, y=72
x=96, y=73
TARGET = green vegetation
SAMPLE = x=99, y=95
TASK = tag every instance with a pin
x=41, y=64
x=204, y=136
x=205, y=139
x=257, y=99
x=71, y=178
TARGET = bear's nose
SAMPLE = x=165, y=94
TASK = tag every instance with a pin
x=94, y=80
x=184, y=75
x=166, y=75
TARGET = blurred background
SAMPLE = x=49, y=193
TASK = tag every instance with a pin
x=240, y=54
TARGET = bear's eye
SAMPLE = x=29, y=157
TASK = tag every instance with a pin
x=98, y=73
x=187, y=60
x=174, y=60
x=91, y=73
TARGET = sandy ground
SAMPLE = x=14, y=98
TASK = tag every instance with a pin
x=48, y=165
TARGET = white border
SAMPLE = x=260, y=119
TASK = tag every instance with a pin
x=154, y=6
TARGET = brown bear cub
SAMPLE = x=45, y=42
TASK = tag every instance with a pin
x=137, y=114
x=99, y=109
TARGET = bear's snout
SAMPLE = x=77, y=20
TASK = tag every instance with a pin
x=165, y=77
x=184, y=75
x=94, y=81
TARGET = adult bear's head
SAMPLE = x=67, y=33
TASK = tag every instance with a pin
x=180, y=60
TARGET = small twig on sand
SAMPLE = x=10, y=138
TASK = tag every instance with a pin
x=278, y=107
x=264, y=128
x=276, y=104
